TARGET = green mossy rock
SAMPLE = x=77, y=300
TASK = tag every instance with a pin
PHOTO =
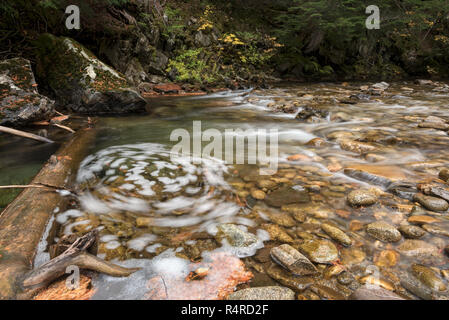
x=83, y=82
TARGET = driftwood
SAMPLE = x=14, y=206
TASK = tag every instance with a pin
x=24, y=134
x=80, y=253
x=23, y=222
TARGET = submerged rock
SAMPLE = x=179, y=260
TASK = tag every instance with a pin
x=371, y=293
x=383, y=231
x=291, y=259
x=417, y=248
x=287, y=195
x=285, y=278
x=444, y=175
x=412, y=232
x=362, y=197
x=82, y=81
x=236, y=236
x=336, y=234
x=428, y=277
x=263, y=293
x=431, y=203
x=311, y=112
x=319, y=251
x=20, y=102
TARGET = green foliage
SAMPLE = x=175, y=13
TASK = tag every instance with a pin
x=189, y=67
x=334, y=32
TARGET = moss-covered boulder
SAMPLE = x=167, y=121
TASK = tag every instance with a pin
x=81, y=81
x=20, y=102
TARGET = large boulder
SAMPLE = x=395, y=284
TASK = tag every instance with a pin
x=20, y=102
x=80, y=80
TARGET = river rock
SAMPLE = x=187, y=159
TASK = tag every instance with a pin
x=81, y=80
x=362, y=197
x=431, y=203
x=285, y=278
x=287, y=195
x=20, y=102
x=357, y=146
x=291, y=259
x=428, y=277
x=383, y=231
x=263, y=293
x=311, y=112
x=326, y=292
x=277, y=233
x=336, y=234
x=435, y=229
x=412, y=232
x=370, y=293
x=417, y=248
x=236, y=236
x=319, y=251
x=444, y=175
x=439, y=192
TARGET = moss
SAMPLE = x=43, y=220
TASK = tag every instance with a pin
x=64, y=68
x=19, y=70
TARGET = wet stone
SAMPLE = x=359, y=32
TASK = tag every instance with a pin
x=412, y=232
x=236, y=236
x=336, y=234
x=287, y=279
x=444, y=175
x=419, y=220
x=362, y=197
x=370, y=293
x=319, y=251
x=352, y=256
x=417, y=248
x=326, y=292
x=282, y=219
x=292, y=260
x=431, y=203
x=383, y=231
x=277, y=233
x=263, y=293
x=428, y=277
x=345, y=278
x=435, y=229
x=287, y=195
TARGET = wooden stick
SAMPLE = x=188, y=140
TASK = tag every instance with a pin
x=25, y=134
x=19, y=186
x=64, y=127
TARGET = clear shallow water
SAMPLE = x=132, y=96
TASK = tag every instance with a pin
x=154, y=210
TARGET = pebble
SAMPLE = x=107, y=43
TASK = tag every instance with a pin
x=291, y=259
x=419, y=220
x=277, y=233
x=287, y=195
x=236, y=236
x=386, y=258
x=370, y=293
x=435, y=229
x=319, y=251
x=428, y=277
x=258, y=194
x=263, y=293
x=336, y=234
x=285, y=278
x=417, y=248
x=362, y=197
x=383, y=231
x=444, y=175
x=412, y=232
x=431, y=203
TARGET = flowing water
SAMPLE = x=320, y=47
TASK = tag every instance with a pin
x=165, y=214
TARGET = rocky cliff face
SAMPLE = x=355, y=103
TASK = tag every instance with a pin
x=20, y=102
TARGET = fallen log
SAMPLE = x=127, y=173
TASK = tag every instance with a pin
x=24, y=134
x=81, y=253
x=23, y=221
